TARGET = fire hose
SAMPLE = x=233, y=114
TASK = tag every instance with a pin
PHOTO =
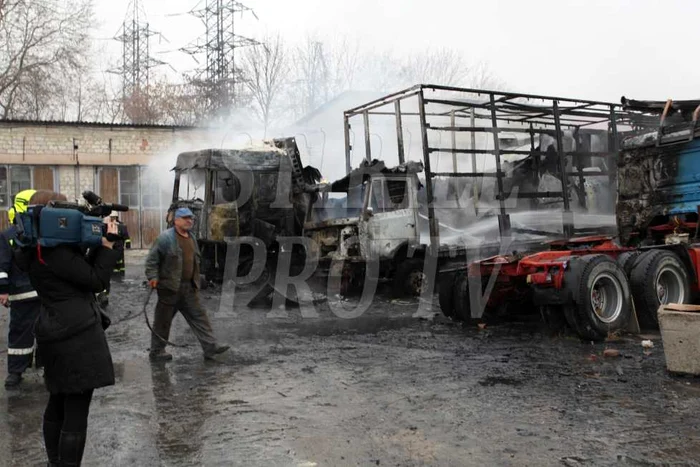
x=148, y=323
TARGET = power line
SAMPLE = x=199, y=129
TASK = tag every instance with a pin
x=219, y=74
x=136, y=61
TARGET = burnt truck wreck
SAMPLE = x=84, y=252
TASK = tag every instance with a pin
x=609, y=284
x=254, y=192
x=392, y=219
x=658, y=172
x=370, y=216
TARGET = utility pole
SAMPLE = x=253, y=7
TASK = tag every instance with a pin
x=136, y=62
x=219, y=76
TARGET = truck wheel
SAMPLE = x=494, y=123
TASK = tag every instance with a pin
x=460, y=297
x=601, y=296
x=410, y=280
x=658, y=278
x=445, y=294
x=627, y=260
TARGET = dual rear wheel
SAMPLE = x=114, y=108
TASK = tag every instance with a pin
x=605, y=290
x=601, y=290
x=454, y=296
x=658, y=277
x=600, y=296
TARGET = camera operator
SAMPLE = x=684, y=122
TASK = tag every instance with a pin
x=70, y=337
x=120, y=268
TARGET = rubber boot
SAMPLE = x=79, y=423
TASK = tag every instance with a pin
x=52, y=436
x=71, y=447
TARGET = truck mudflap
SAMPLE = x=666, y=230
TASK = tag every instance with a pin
x=546, y=296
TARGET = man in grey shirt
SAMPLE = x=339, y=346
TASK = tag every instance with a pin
x=172, y=267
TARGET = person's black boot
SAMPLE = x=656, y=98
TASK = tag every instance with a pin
x=13, y=380
x=71, y=447
x=52, y=436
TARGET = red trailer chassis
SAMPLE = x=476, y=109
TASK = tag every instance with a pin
x=591, y=281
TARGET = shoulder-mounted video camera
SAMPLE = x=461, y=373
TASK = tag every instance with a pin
x=62, y=222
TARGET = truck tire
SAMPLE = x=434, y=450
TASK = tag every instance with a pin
x=601, y=297
x=409, y=279
x=445, y=288
x=460, y=297
x=658, y=277
x=627, y=260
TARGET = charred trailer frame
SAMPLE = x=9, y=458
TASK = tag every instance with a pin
x=464, y=111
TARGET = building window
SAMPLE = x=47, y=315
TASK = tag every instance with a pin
x=20, y=179
x=152, y=195
x=4, y=195
x=13, y=179
x=129, y=186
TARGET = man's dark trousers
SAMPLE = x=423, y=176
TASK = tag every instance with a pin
x=20, y=340
x=186, y=301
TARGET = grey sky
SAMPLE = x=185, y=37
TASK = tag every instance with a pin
x=593, y=49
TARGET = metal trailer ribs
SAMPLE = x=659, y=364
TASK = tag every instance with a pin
x=506, y=112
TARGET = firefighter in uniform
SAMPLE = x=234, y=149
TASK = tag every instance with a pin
x=17, y=292
x=120, y=268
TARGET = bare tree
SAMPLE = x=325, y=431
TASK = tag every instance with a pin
x=482, y=77
x=345, y=59
x=266, y=70
x=184, y=103
x=105, y=102
x=382, y=71
x=322, y=70
x=43, y=44
x=436, y=66
x=386, y=70
x=311, y=84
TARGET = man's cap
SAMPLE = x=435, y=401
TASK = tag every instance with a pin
x=114, y=214
x=183, y=212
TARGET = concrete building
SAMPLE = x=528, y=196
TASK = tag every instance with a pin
x=127, y=164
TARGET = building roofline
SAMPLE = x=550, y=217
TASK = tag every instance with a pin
x=22, y=122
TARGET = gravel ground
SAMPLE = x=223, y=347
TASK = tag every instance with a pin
x=382, y=389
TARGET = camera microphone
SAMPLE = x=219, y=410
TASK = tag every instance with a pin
x=119, y=207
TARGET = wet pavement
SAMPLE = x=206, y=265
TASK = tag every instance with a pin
x=382, y=389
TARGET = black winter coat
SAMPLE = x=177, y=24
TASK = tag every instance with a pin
x=70, y=341
x=13, y=280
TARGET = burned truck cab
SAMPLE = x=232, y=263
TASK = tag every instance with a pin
x=366, y=223
x=240, y=192
x=658, y=196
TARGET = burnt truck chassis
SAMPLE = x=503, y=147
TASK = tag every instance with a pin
x=579, y=277
x=602, y=285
